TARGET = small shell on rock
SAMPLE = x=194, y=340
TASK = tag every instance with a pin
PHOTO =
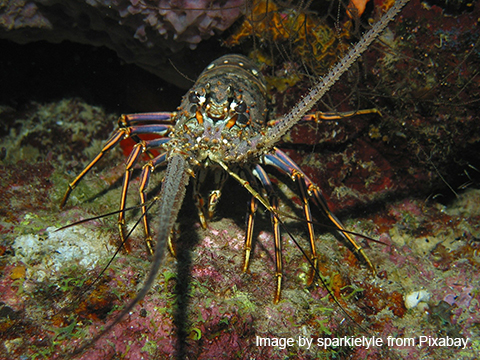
x=415, y=297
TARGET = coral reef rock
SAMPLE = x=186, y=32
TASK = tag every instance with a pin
x=146, y=33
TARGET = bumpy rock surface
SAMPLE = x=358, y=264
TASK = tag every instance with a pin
x=145, y=33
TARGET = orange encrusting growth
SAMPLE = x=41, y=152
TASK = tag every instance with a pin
x=309, y=36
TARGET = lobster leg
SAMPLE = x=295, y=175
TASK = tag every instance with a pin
x=252, y=208
x=319, y=115
x=199, y=200
x=147, y=169
x=260, y=173
x=138, y=149
x=114, y=140
x=308, y=216
x=130, y=126
x=286, y=165
x=298, y=178
x=206, y=211
x=250, y=221
x=331, y=115
x=131, y=161
x=215, y=194
x=272, y=210
x=145, y=118
x=120, y=134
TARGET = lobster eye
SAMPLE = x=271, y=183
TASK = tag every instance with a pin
x=193, y=97
x=241, y=108
x=242, y=119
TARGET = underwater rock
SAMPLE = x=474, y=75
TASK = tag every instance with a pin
x=139, y=33
x=201, y=301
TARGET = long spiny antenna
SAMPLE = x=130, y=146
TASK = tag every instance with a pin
x=325, y=83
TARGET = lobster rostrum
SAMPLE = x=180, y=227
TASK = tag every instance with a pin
x=222, y=129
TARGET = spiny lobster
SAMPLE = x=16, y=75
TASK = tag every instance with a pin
x=221, y=128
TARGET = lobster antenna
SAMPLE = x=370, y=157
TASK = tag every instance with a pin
x=275, y=133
